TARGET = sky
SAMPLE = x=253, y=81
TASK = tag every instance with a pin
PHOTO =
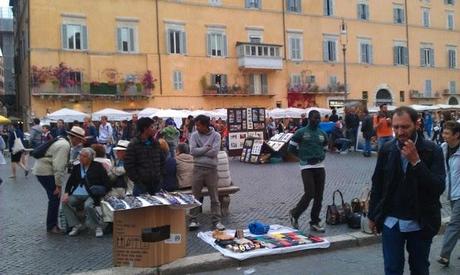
x=4, y=3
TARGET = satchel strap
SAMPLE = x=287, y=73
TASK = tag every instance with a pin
x=333, y=196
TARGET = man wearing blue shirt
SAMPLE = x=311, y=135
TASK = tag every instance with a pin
x=408, y=180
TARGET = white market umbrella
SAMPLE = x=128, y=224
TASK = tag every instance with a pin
x=322, y=111
x=67, y=115
x=377, y=109
x=421, y=108
x=446, y=106
x=147, y=112
x=170, y=113
x=112, y=114
x=285, y=113
x=201, y=112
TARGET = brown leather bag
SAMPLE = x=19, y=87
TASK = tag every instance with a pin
x=337, y=214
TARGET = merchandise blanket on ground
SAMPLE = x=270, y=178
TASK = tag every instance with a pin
x=274, y=231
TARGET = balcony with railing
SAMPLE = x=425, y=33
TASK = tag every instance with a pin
x=259, y=56
x=426, y=95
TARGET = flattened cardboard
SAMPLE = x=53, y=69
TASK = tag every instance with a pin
x=128, y=226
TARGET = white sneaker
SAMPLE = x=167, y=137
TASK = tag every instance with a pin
x=219, y=226
x=75, y=230
x=99, y=232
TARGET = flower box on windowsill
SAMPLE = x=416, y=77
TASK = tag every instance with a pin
x=103, y=89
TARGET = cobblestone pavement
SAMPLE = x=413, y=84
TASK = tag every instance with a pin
x=267, y=193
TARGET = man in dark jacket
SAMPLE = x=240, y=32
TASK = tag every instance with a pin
x=86, y=185
x=144, y=162
x=408, y=180
x=368, y=132
x=351, y=125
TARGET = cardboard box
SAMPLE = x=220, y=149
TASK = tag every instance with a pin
x=148, y=236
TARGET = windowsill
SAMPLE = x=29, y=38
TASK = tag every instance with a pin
x=75, y=50
x=217, y=57
x=128, y=53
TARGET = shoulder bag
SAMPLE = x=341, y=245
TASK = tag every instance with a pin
x=337, y=213
x=17, y=146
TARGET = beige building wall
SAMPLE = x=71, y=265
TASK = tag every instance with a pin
x=196, y=17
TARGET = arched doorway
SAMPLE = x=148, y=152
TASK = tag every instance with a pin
x=453, y=101
x=383, y=96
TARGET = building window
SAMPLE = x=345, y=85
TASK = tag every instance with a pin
x=398, y=14
x=219, y=81
x=363, y=11
x=365, y=95
x=293, y=6
x=332, y=81
x=401, y=96
x=252, y=4
x=449, y=2
x=452, y=87
x=452, y=57
x=400, y=55
x=426, y=17
x=217, y=43
x=450, y=21
x=296, y=81
x=74, y=37
x=426, y=56
x=215, y=2
x=178, y=81
x=328, y=7
x=295, y=46
x=258, y=84
x=126, y=39
x=330, y=49
x=176, y=39
x=427, y=88
x=365, y=51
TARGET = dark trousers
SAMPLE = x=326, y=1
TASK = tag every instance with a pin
x=53, y=200
x=313, y=184
x=393, y=242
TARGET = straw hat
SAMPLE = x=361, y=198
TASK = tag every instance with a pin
x=122, y=145
x=77, y=132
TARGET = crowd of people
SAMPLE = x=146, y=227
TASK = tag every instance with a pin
x=86, y=161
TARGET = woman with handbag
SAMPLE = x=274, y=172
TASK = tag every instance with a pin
x=16, y=147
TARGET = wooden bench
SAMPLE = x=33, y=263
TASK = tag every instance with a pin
x=224, y=196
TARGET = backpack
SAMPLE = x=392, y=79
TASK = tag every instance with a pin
x=40, y=151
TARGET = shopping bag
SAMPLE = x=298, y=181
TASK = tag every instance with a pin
x=17, y=146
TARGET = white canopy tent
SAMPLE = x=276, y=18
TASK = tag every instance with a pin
x=322, y=111
x=112, y=114
x=148, y=112
x=446, y=107
x=67, y=115
x=170, y=113
x=376, y=109
x=421, y=108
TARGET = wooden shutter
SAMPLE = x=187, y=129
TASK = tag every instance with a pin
x=224, y=44
x=208, y=42
x=264, y=80
x=119, y=42
x=131, y=40
x=431, y=53
x=334, y=54
x=251, y=84
x=168, y=34
x=84, y=37
x=371, y=57
x=395, y=55
x=325, y=51
x=422, y=57
x=183, y=42
x=64, y=36
x=405, y=56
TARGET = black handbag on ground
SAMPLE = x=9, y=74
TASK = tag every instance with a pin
x=337, y=214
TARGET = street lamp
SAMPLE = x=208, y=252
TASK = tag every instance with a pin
x=344, y=42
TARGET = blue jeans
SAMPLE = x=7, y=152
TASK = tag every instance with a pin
x=367, y=145
x=140, y=189
x=393, y=242
x=53, y=201
x=343, y=143
x=382, y=140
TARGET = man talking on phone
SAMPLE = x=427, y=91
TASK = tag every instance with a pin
x=408, y=180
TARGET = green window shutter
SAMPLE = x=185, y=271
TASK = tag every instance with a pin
x=264, y=80
x=371, y=55
x=325, y=51
x=64, y=36
x=119, y=42
x=131, y=40
x=395, y=55
x=224, y=43
x=422, y=57
x=168, y=36
x=84, y=38
x=208, y=42
x=432, y=57
x=183, y=42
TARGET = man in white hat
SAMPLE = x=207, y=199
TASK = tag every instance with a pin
x=77, y=138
